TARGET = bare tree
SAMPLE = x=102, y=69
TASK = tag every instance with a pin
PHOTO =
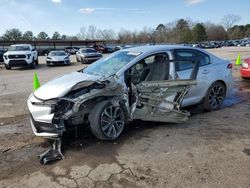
x=229, y=20
x=91, y=34
x=108, y=34
x=125, y=36
x=82, y=34
x=215, y=32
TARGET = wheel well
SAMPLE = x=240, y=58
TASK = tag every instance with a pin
x=221, y=81
x=92, y=102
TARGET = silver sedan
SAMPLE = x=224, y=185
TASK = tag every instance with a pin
x=87, y=55
x=149, y=83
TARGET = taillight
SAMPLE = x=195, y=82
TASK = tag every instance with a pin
x=244, y=65
x=230, y=66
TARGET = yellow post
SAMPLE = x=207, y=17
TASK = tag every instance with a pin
x=36, y=83
x=238, y=61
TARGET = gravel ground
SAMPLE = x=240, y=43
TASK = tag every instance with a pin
x=211, y=149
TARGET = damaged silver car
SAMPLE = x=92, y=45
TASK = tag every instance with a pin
x=144, y=83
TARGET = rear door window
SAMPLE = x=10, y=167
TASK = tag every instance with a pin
x=184, y=59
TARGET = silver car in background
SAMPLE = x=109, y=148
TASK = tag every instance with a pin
x=87, y=55
x=150, y=83
x=58, y=57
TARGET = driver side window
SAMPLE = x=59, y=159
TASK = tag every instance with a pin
x=152, y=68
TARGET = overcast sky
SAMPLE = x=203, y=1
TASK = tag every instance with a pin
x=68, y=16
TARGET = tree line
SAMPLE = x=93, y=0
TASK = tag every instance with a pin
x=178, y=31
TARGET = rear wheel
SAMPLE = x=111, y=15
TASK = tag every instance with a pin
x=215, y=96
x=107, y=121
x=8, y=67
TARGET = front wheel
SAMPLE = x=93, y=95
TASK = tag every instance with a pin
x=77, y=59
x=215, y=96
x=32, y=64
x=8, y=67
x=107, y=121
x=37, y=61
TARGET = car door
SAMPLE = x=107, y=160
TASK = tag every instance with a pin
x=184, y=59
x=153, y=95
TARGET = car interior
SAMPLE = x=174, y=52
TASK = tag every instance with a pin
x=152, y=68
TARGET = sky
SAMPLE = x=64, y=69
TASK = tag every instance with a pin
x=68, y=16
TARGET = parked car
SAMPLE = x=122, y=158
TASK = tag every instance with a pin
x=150, y=83
x=72, y=50
x=108, y=50
x=245, y=69
x=58, y=58
x=98, y=48
x=45, y=51
x=2, y=51
x=20, y=55
x=87, y=55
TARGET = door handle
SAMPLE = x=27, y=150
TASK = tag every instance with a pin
x=205, y=71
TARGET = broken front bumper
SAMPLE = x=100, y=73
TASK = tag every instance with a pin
x=42, y=119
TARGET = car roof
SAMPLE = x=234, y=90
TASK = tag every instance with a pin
x=57, y=51
x=87, y=49
x=155, y=48
x=20, y=45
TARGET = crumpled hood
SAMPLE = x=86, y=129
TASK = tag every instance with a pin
x=61, y=85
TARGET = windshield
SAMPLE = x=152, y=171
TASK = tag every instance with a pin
x=19, y=48
x=110, y=65
x=57, y=54
x=88, y=51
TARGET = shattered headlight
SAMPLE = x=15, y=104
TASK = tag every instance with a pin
x=48, y=103
x=62, y=107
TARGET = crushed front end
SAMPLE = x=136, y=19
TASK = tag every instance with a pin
x=50, y=118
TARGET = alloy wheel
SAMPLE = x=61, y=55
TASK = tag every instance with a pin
x=216, y=96
x=112, y=121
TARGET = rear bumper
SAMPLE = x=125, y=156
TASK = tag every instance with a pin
x=245, y=73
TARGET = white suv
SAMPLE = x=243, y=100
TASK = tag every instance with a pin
x=20, y=55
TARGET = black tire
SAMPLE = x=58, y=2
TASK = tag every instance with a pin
x=215, y=96
x=83, y=61
x=8, y=67
x=107, y=121
x=32, y=65
x=77, y=60
x=37, y=61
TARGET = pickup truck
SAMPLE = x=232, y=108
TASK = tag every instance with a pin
x=20, y=55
